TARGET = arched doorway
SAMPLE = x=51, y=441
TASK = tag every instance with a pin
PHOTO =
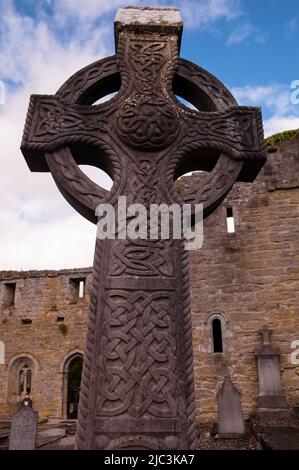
x=74, y=373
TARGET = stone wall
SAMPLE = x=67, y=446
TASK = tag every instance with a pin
x=251, y=278
x=45, y=298
x=246, y=279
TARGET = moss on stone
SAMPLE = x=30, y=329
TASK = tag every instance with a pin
x=273, y=141
x=265, y=201
x=63, y=329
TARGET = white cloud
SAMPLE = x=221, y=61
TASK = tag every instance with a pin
x=196, y=13
x=275, y=99
x=261, y=38
x=38, y=228
x=88, y=9
x=246, y=32
x=61, y=242
x=35, y=58
x=291, y=27
x=239, y=34
x=277, y=124
x=201, y=13
x=275, y=96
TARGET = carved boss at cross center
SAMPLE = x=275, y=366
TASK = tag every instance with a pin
x=137, y=388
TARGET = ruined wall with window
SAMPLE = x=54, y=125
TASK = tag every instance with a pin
x=245, y=276
x=42, y=326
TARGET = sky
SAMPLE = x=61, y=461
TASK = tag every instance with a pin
x=250, y=45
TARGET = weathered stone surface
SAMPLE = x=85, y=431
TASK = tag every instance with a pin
x=247, y=302
x=23, y=429
x=271, y=397
x=137, y=388
x=234, y=274
x=230, y=415
x=149, y=19
x=278, y=438
x=42, y=297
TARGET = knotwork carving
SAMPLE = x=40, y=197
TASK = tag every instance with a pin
x=148, y=122
x=141, y=258
x=147, y=119
x=138, y=355
x=145, y=182
x=147, y=59
x=138, y=369
x=54, y=119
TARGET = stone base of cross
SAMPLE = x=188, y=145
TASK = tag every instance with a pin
x=137, y=388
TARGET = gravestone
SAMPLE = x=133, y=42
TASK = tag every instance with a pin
x=137, y=389
x=231, y=423
x=271, y=399
x=23, y=427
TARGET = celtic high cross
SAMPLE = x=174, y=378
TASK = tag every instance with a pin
x=137, y=389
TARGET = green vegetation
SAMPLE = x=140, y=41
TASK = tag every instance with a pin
x=63, y=329
x=265, y=201
x=273, y=141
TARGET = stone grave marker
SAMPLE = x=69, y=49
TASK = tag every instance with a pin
x=271, y=399
x=23, y=427
x=230, y=415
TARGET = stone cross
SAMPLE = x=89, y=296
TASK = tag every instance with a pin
x=265, y=333
x=137, y=389
x=271, y=399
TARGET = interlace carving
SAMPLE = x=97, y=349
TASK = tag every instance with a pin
x=138, y=355
x=146, y=119
x=141, y=258
x=147, y=122
x=138, y=365
x=147, y=59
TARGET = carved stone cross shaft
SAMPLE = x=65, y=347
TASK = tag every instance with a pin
x=137, y=387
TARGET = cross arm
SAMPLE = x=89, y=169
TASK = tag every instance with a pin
x=237, y=132
x=52, y=122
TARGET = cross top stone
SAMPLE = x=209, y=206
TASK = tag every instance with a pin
x=266, y=333
x=137, y=389
x=144, y=125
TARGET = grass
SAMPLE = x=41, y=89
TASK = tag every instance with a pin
x=273, y=141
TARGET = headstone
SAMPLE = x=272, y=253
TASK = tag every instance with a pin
x=137, y=388
x=231, y=423
x=271, y=399
x=23, y=427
